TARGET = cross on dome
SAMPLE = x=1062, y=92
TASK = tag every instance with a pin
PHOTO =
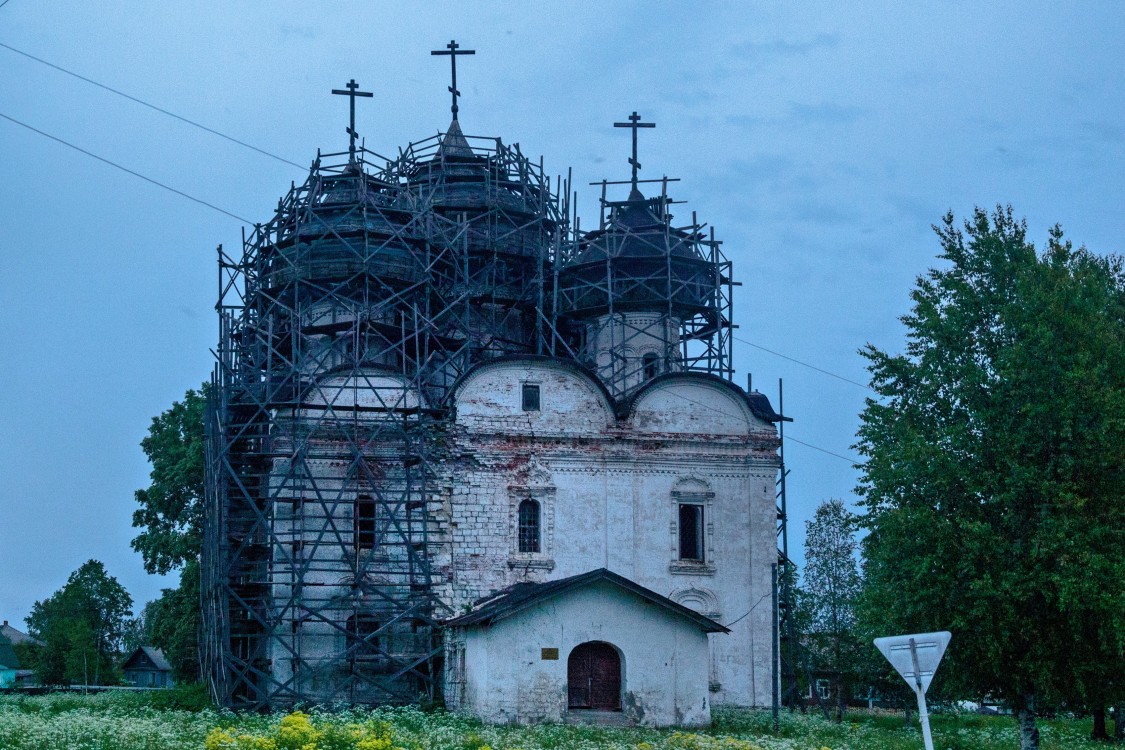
x=635, y=124
x=352, y=92
x=453, y=50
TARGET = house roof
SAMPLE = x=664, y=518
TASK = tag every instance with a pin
x=509, y=601
x=147, y=657
x=16, y=637
x=8, y=658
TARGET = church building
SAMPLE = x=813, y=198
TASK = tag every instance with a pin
x=459, y=450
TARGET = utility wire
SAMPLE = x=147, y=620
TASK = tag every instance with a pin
x=743, y=617
x=142, y=102
x=245, y=220
x=125, y=169
x=805, y=364
x=853, y=461
x=299, y=166
x=4, y=3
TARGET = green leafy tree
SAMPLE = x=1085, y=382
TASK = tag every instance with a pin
x=831, y=586
x=171, y=512
x=995, y=462
x=82, y=626
x=171, y=521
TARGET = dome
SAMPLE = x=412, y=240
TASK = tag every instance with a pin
x=341, y=222
x=639, y=262
x=452, y=174
x=636, y=229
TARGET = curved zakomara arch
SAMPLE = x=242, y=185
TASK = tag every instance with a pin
x=373, y=392
x=593, y=385
x=731, y=405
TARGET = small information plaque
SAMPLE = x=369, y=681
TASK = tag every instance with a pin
x=549, y=654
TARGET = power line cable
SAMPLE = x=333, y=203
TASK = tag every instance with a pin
x=142, y=102
x=282, y=159
x=125, y=169
x=852, y=461
x=5, y=3
x=805, y=364
x=748, y=612
x=299, y=166
x=247, y=221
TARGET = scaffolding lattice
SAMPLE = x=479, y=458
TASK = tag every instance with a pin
x=641, y=296
x=343, y=325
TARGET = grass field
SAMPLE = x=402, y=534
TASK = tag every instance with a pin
x=167, y=722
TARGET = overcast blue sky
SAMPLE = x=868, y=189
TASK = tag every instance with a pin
x=820, y=139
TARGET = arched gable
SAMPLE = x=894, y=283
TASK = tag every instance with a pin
x=694, y=404
x=491, y=396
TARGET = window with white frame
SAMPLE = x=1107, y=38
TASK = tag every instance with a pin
x=363, y=522
x=531, y=519
x=691, y=532
x=692, y=528
x=528, y=527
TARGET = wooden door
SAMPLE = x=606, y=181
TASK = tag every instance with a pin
x=593, y=673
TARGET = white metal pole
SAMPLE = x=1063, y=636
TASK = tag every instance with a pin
x=924, y=715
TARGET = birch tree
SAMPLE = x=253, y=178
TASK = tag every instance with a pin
x=831, y=585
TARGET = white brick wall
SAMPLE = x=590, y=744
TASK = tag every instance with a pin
x=506, y=680
x=611, y=497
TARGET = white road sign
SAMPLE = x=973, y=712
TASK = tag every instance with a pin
x=916, y=664
x=916, y=657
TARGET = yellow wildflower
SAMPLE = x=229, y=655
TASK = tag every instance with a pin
x=374, y=743
x=218, y=739
x=297, y=732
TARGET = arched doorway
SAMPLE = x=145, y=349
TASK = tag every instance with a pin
x=593, y=675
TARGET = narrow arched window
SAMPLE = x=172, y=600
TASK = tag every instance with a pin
x=651, y=365
x=528, y=527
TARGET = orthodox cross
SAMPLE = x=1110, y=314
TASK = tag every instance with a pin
x=634, y=123
x=454, y=49
x=351, y=93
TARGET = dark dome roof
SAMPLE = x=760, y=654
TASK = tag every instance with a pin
x=637, y=228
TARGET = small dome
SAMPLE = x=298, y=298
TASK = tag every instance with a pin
x=636, y=229
x=639, y=262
